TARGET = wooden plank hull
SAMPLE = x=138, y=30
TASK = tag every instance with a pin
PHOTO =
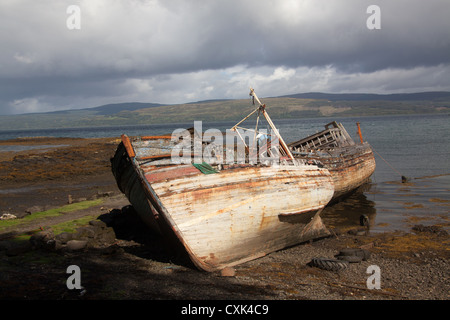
x=349, y=167
x=350, y=164
x=351, y=171
x=230, y=217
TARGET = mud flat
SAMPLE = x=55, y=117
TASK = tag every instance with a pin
x=46, y=172
x=412, y=264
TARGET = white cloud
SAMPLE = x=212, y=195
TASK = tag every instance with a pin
x=29, y=105
x=23, y=58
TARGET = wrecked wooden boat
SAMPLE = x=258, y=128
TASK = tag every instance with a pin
x=222, y=213
x=351, y=164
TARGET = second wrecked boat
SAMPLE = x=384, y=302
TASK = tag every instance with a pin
x=351, y=164
x=222, y=214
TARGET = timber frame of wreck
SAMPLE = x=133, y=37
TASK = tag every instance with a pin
x=225, y=213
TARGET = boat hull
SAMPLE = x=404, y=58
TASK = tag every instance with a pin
x=350, y=167
x=350, y=164
x=235, y=215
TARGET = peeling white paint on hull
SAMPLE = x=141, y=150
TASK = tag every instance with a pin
x=230, y=217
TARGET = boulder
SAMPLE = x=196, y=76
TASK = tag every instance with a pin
x=98, y=224
x=76, y=245
x=42, y=238
x=34, y=209
x=64, y=237
x=7, y=216
x=84, y=233
x=228, y=272
x=96, y=234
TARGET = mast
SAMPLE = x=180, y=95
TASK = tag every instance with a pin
x=262, y=108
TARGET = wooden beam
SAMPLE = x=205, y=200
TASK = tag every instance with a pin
x=126, y=142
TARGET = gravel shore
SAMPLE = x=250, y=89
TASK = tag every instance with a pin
x=412, y=265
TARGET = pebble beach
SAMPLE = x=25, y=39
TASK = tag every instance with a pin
x=413, y=261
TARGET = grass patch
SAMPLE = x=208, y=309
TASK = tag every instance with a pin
x=67, y=226
x=70, y=226
x=5, y=224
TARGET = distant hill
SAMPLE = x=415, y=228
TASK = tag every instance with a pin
x=419, y=96
x=113, y=108
x=302, y=105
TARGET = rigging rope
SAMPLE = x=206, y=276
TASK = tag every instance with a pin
x=387, y=162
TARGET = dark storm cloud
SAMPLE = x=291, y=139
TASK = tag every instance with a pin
x=173, y=51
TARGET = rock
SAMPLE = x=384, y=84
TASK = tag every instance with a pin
x=108, y=236
x=228, y=272
x=103, y=235
x=358, y=232
x=362, y=254
x=58, y=245
x=105, y=194
x=41, y=238
x=364, y=220
x=7, y=216
x=84, y=233
x=96, y=234
x=98, y=224
x=429, y=229
x=64, y=237
x=34, y=209
x=76, y=245
x=51, y=245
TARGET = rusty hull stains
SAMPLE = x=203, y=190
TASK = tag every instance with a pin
x=350, y=164
x=229, y=217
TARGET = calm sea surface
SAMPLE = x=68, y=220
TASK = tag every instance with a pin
x=416, y=146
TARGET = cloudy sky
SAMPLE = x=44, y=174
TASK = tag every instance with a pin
x=174, y=51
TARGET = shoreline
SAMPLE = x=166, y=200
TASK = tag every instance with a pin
x=414, y=264
x=47, y=177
